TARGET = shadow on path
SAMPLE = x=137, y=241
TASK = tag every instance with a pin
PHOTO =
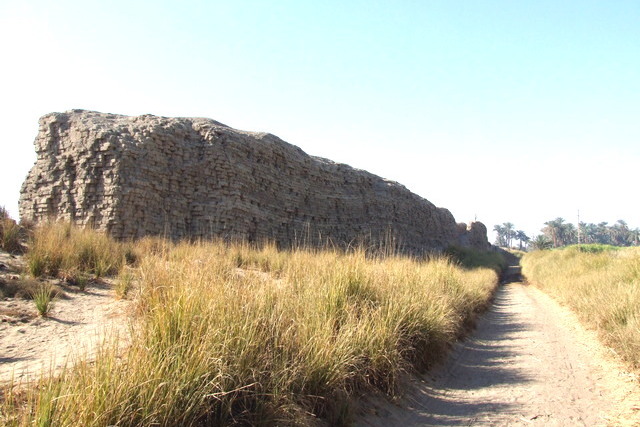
x=14, y=359
x=480, y=362
x=469, y=386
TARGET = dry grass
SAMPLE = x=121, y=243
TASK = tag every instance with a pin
x=601, y=284
x=60, y=250
x=230, y=334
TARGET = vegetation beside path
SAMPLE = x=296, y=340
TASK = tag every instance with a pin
x=601, y=284
x=227, y=334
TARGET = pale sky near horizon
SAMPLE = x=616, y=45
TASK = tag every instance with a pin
x=497, y=110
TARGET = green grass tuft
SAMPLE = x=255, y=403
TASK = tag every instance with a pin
x=43, y=297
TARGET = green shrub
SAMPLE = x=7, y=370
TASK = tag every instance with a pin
x=593, y=248
x=473, y=258
x=43, y=298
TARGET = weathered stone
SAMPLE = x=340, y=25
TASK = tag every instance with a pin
x=197, y=178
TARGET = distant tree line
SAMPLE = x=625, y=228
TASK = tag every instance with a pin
x=561, y=233
x=557, y=233
x=507, y=234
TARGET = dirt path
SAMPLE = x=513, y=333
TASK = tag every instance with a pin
x=529, y=362
x=79, y=321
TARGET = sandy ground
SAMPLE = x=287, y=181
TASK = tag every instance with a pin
x=529, y=362
x=78, y=321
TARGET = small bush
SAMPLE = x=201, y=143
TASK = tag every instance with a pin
x=130, y=256
x=517, y=253
x=74, y=277
x=82, y=281
x=473, y=258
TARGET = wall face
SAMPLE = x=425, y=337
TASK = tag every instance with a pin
x=192, y=177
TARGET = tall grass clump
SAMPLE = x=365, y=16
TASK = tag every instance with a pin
x=238, y=335
x=124, y=282
x=43, y=297
x=601, y=284
x=62, y=250
x=10, y=233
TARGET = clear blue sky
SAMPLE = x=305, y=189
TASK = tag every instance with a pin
x=517, y=111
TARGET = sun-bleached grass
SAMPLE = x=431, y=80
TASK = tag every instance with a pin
x=230, y=334
x=601, y=284
x=61, y=250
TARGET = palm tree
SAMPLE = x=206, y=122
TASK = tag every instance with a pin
x=569, y=235
x=561, y=233
x=588, y=232
x=522, y=237
x=541, y=242
x=500, y=238
x=603, y=235
x=620, y=233
x=509, y=232
x=554, y=230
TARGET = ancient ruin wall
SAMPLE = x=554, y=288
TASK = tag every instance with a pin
x=194, y=177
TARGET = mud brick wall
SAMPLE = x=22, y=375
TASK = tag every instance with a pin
x=197, y=178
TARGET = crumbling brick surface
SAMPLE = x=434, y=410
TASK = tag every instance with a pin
x=197, y=178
